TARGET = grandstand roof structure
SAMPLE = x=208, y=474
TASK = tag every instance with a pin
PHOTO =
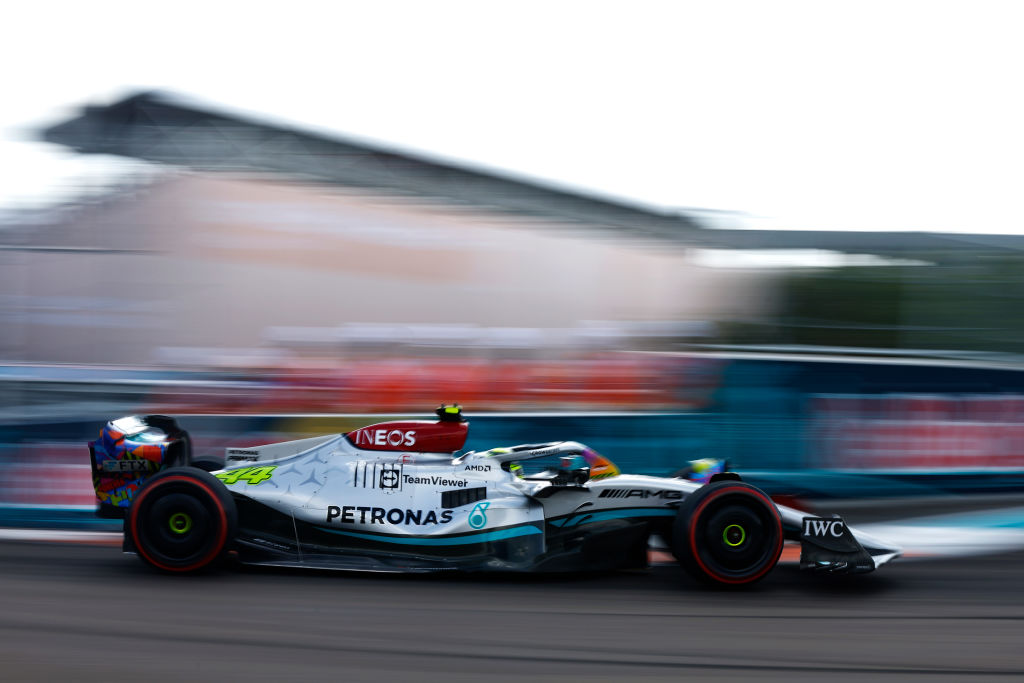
x=169, y=129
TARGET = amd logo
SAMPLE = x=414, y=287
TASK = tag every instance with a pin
x=823, y=527
x=384, y=437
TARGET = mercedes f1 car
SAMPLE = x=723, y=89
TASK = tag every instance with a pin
x=398, y=496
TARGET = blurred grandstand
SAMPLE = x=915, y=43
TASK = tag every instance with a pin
x=256, y=266
x=328, y=274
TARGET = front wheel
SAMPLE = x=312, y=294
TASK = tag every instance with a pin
x=728, y=533
x=181, y=520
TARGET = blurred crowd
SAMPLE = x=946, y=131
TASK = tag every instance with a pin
x=615, y=381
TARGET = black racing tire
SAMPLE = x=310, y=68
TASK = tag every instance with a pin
x=181, y=520
x=727, y=533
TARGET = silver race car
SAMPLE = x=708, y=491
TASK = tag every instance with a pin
x=397, y=496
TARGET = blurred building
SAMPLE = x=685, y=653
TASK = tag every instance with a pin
x=247, y=240
x=256, y=238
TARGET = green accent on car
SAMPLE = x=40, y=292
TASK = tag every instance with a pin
x=180, y=523
x=250, y=475
x=725, y=535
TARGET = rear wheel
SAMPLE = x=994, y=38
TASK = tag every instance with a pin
x=728, y=533
x=181, y=520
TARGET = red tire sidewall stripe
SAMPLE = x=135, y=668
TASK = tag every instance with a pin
x=693, y=536
x=222, y=535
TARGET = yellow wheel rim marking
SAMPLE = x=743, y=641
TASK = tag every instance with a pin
x=180, y=523
x=725, y=535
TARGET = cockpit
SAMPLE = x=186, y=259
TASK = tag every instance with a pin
x=561, y=463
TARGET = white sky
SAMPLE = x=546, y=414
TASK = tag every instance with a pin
x=851, y=115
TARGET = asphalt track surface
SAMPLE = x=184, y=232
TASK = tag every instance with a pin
x=88, y=613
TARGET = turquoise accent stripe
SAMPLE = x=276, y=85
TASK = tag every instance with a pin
x=483, y=537
x=613, y=514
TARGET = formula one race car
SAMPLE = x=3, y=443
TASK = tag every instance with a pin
x=395, y=496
